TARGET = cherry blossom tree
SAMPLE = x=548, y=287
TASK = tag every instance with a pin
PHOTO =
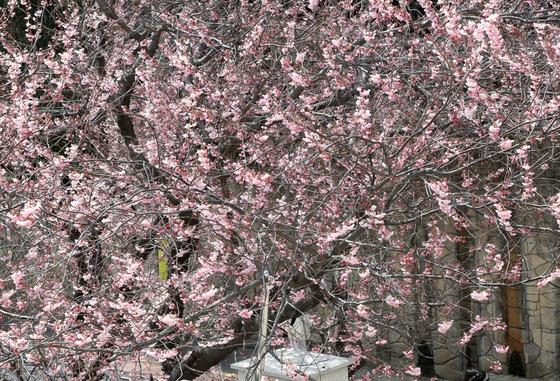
x=163, y=163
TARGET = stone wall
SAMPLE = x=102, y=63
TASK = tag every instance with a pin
x=449, y=361
x=531, y=312
x=541, y=310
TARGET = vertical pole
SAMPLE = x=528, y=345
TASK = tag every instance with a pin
x=263, y=334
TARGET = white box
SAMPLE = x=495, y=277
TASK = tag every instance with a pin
x=318, y=366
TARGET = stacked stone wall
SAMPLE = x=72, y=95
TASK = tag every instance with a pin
x=531, y=312
x=541, y=310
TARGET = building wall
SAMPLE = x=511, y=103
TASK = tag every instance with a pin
x=532, y=313
x=541, y=306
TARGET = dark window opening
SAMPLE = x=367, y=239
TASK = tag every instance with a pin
x=516, y=367
x=426, y=360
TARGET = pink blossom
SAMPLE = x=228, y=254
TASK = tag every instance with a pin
x=364, y=275
x=300, y=57
x=375, y=79
x=49, y=307
x=27, y=216
x=18, y=344
x=393, y=302
x=5, y=298
x=18, y=279
x=465, y=339
x=480, y=296
x=550, y=278
x=313, y=4
x=506, y=144
x=24, y=223
x=362, y=311
x=371, y=332
x=504, y=216
x=529, y=188
x=502, y=213
x=501, y=348
x=298, y=80
x=555, y=207
x=444, y=326
x=206, y=296
x=32, y=253
x=522, y=152
x=493, y=32
x=494, y=130
x=30, y=210
x=441, y=190
x=203, y=159
x=413, y=371
x=81, y=340
x=350, y=260
x=474, y=89
x=167, y=354
x=495, y=366
x=246, y=314
x=470, y=112
x=298, y=295
x=169, y=320
x=103, y=337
